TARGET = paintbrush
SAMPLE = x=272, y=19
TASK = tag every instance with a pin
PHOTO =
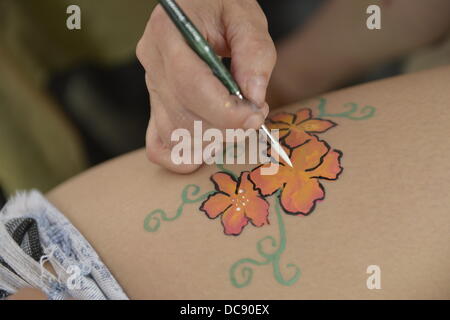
x=199, y=44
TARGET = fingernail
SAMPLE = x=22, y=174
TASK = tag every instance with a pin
x=253, y=106
x=256, y=88
x=265, y=109
x=254, y=121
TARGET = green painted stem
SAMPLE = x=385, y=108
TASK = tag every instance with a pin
x=152, y=221
x=243, y=267
x=365, y=113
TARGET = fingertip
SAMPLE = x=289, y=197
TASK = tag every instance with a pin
x=239, y=113
x=254, y=121
x=185, y=168
x=253, y=64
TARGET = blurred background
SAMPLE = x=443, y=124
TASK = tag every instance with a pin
x=72, y=99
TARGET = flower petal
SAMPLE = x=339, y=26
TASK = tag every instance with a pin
x=330, y=168
x=317, y=125
x=296, y=137
x=300, y=196
x=283, y=128
x=257, y=210
x=302, y=115
x=234, y=220
x=283, y=117
x=310, y=154
x=215, y=204
x=224, y=182
x=245, y=185
x=268, y=184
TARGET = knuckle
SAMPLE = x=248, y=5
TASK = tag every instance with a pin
x=159, y=24
x=249, y=28
x=262, y=20
x=140, y=50
x=151, y=154
x=158, y=19
x=148, y=44
x=152, y=87
x=253, y=13
x=153, y=148
x=264, y=48
x=272, y=53
x=156, y=26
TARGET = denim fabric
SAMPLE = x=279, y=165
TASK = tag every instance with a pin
x=80, y=274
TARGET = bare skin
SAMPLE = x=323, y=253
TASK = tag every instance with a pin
x=347, y=48
x=334, y=47
x=388, y=208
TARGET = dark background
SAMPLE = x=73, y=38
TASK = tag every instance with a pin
x=111, y=111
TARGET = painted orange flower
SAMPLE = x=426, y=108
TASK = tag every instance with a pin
x=300, y=186
x=296, y=129
x=237, y=201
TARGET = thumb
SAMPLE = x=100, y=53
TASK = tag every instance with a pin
x=253, y=52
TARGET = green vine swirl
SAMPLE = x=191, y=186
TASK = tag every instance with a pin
x=152, y=221
x=365, y=113
x=246, y=271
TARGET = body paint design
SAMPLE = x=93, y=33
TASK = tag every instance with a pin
x=299, y=187
x=296, y=190
x=296, y=129
x=366, y=112
x=152, y=221
x=240, y=268
x=237, y=201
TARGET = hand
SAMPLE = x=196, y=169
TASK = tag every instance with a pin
x=182, y=87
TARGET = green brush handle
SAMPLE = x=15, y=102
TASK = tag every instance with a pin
x=199, y=44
